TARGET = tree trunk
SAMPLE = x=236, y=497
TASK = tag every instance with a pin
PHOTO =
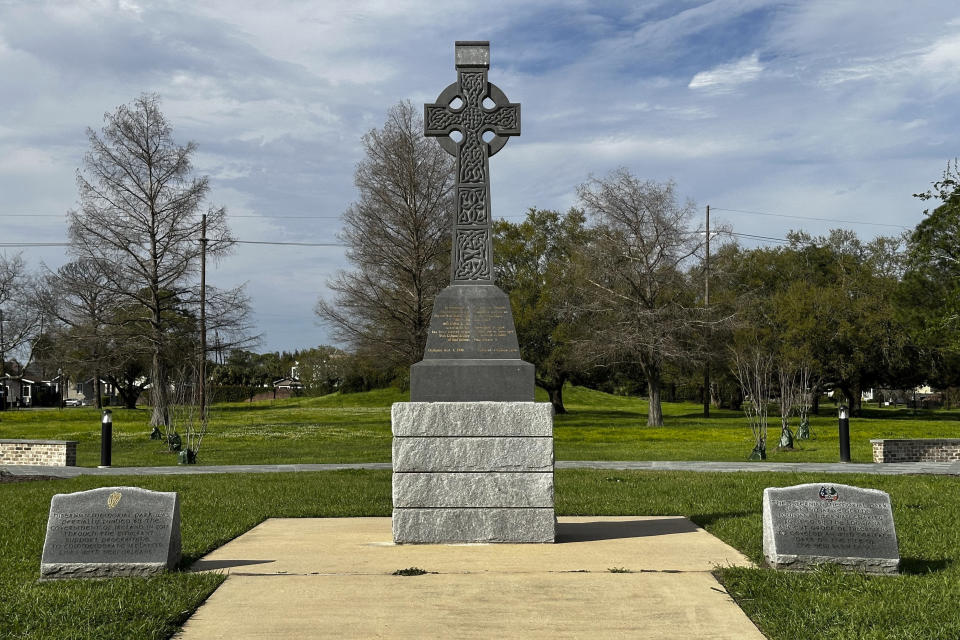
x=129, y=397
x=556, y=399
x=655, y=411
x=815, y=401
x=554, y=389
x=736, y=398
x=158, y=393
x=98, y=389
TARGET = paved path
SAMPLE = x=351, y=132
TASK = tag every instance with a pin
x=332, y=578
x=898, y=468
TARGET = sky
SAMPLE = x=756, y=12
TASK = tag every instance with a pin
x=837, y=110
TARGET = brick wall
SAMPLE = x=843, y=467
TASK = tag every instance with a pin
x=918, y=450
x=55, y=453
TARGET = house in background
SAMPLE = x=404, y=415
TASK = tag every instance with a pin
x=86, y=392
x=17, y=391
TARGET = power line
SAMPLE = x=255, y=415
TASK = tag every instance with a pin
x=33, y=215
x=229, y=216
x=755, y=237
x=293, y=244
x=785, y=215
x=22, y=245
x=25, y=245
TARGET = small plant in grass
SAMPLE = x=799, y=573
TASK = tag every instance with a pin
x=619, y=570
x=411, y=571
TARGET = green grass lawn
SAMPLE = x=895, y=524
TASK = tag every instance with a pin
x=920, y=604
x=356, y=428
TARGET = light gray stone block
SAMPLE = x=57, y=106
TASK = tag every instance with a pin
x=112, y=531
x=472, y=454
x=425, y=526
x=828, y=523
x=441, y=419
x=472, y=490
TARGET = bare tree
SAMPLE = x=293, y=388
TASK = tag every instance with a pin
x=807, y=387
x=398, y=232
x=753, y=369
x=140, y=211
x=788, y=378
x=635, y=272
x=75, y=295
x=21, y=320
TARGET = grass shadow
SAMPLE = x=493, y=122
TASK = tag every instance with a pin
x=920, y=566
x=706, y=519
x=713, y=415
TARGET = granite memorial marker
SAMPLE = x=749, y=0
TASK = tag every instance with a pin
x=811, y=524
x=112, y=531
x=472, y=452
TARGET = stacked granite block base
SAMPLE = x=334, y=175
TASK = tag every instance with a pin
x=472, y=472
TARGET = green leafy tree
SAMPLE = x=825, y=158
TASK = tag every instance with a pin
x=828, y=304
x=930, y=291
x=533, y=265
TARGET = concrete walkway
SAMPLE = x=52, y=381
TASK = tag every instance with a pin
x=898, y=468
x=332, y=578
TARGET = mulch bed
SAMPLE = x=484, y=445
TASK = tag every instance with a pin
x=6, y=476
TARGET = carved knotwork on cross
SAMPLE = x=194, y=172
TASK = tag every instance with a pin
x=460, y=107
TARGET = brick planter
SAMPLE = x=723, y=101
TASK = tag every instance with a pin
x=52, y=453
x=917, y=450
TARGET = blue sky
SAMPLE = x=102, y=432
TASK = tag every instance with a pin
x=820, y=108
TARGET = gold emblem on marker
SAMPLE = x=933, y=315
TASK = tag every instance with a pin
x=113, y=499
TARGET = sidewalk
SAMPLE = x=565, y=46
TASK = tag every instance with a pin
x=333, y=578
x=896, y=468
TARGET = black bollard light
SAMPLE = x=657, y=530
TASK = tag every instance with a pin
x=106, y=436
x=844, y=433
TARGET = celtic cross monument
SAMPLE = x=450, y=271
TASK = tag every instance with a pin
x=472, y=352
x=472, y=451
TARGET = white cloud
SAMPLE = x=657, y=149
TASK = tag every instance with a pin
x=845, y=100
x=725, y=78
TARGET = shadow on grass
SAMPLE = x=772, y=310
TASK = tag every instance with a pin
x=250, y=406
x=725, y=415
x=908, y=414
x=706, y=519
x=579, y=414
x=604, y=530
x=919, y=566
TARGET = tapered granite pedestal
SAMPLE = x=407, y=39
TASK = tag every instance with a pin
x=472, y=352
x=472, y=452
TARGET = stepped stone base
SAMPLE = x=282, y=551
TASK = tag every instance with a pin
x=473, y=525
x=473, y=472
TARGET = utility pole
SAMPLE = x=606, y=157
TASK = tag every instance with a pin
x=203, y=321
x=3, y=352
x=3, y=355
x=706, y=306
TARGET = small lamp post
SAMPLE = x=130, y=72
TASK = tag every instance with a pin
x=106, y=436
x=844, y=433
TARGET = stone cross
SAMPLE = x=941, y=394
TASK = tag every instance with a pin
x=461, y=107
